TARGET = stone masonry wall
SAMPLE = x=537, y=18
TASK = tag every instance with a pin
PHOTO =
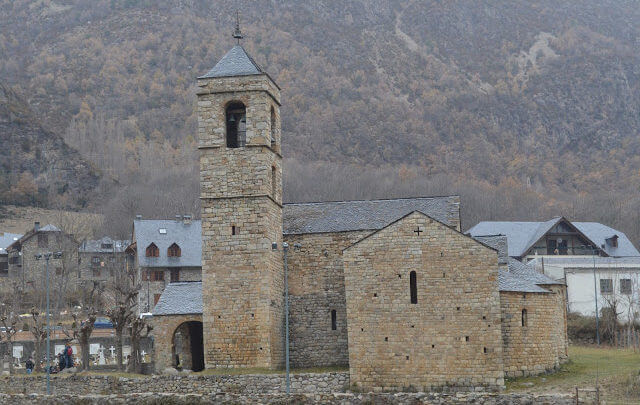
x=182, y=384
x=316, y=287
x=451, y=336
x=533, y=348
x=560, y=323
x=163, y=329
x=341, y=399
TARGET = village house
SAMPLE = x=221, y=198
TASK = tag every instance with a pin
x=391, y=288
x=27, y=264
x=103, y=259
x=164, y=251
x=577, y=253
x=6, y=239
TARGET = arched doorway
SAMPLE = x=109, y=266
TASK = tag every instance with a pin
x=188, y=349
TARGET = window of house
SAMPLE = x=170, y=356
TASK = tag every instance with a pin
x=107, y=246
x=273, y=127
x=175, y=275
x=43, y=240
x=236, y=118
x=14, y=260
x=625, y=286
x=524, y=319
x=157, y=275
x=413, y=287
x=152, y=250
x=4, y=268
x=174, y=251
x=144, y=275
x=334, y=321
x=606, y=286
x=95, y=261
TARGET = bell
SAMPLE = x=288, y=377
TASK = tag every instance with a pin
x=232, y=118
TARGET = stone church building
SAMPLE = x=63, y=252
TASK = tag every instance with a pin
x=390, y=288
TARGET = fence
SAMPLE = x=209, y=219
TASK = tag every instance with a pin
x=627, y=338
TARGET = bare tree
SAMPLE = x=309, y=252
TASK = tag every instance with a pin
x=122, y=295
x=84, y=320
x=38, y=329
x=139, y=329
x=7, y=333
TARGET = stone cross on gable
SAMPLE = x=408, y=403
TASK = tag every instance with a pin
x=112, y=350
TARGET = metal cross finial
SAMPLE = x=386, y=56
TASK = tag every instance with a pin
x=237, y=34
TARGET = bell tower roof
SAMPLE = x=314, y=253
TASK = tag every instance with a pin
x=236, y=62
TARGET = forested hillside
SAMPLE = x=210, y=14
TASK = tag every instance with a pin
x=37, y=167
x=526, y=108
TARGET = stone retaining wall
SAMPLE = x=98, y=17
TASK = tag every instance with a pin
x=180, y=384
x=342, y=399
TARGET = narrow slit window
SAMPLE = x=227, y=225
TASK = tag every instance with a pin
x=273, y=127
x=524, y=317
x=334, y=321
x=233, y=230
x=413, y=287
x=273, y=182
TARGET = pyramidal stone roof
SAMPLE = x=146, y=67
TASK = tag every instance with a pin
x=236, y=62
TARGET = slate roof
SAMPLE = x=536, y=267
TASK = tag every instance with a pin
x=342, y=216
x=499, y=243
x=6, y=239
x=598, y=232
x=510, y=282
x=529, y=273
x=236, y=62
x=523, y=235
x=180, y=299
x=95, y=246
x=187, y=236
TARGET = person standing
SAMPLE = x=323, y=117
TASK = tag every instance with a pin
x=29, y=365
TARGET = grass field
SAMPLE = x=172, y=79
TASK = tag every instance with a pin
x=616, y=370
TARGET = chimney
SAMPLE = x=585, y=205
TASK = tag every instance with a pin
x=186, y=219
x=36, y=226
x=138, y=216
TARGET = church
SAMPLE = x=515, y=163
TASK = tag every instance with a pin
x=389, y=288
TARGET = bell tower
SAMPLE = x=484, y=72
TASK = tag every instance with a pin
x=241, y=195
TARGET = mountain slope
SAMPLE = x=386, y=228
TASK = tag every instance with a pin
x=502, y=95
x=37, y=166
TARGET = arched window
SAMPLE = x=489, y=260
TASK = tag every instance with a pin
x=152, y=250
x=413, y=287
x=524, y=317
x=334, y=321
x=273, y=182
x=273, y=127
x=236, y=117
x=174, y=251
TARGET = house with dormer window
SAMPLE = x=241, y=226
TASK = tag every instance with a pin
x=580, y=254
x=164, y=251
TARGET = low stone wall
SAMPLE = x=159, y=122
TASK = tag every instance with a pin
x=246, y=384
x=341, y=399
